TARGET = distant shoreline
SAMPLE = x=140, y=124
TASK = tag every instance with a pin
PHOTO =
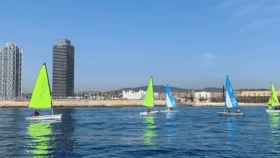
x=112, y=103
x=222, y=104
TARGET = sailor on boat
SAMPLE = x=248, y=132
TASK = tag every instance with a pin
x=228, y=110
x=238, y=110
x=36, y=113
x=170, y=109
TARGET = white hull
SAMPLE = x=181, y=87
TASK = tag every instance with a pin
x=148, y=113
x=272, y=111
x=231, y=113
x=45, y=117
x=167, y=111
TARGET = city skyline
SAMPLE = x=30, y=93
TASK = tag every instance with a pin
x=120, y=44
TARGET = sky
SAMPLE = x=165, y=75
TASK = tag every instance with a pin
x=120, y=43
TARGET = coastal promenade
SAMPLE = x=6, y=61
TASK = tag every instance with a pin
x=223, y=104
x=83, y=103
x=111, y=103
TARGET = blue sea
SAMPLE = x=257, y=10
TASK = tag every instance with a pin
x=123, y=133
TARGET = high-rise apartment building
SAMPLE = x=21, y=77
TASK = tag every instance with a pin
x=63, y=69
x=10, y=71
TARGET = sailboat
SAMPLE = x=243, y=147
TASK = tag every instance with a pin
x=149, y=98
x=41, y=96
x=231, y=103
x=170, y=99
x=273, y=102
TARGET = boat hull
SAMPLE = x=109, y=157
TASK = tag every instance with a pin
x=272, y=111
x=167, y=111
x=148, y=113
x=45, y=117
x=231, y=113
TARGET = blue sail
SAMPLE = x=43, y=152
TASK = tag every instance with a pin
x=230, y=99
x=170, y=99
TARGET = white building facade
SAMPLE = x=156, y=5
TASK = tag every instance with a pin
x=136, y=95
x=131, y=95
x=202, y=96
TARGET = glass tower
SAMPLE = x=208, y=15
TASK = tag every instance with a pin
x=63, y=69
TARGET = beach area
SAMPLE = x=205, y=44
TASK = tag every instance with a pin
x=111, y=103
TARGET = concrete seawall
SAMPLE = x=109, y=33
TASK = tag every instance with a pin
x=110, y=103
x=83, y=103
x=223, y=104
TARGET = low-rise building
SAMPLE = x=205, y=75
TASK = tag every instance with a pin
x=253, y=93
x=130, y=94
x=202, y=96
x=137, y=95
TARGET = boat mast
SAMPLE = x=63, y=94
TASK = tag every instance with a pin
x=224, y=97
x=49, y=88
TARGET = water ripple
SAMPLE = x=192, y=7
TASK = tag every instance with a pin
x=122, y=132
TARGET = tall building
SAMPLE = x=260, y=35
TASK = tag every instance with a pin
x=63, y=69
x=10, y=71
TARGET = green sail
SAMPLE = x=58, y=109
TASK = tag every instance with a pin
x=273, y=100
x=41, y=95
x=149, y=97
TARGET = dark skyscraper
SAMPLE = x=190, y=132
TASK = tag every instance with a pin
x=63, y=69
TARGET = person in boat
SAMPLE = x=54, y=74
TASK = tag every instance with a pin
x=238, y=110
x=170, y=109
x=36, y=113
x=276, y=108
x=149, y=110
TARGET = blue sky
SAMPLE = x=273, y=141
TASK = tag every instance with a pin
x=120, y=43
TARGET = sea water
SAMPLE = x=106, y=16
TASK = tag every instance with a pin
x=122, y=132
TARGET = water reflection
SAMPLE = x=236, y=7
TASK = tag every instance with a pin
x=64, y=133
x=40, y=133
x=171, y=126
x=275, y=135
x=11, y=135
x=274, y=121
x=231, y=129
x=149, y=132
x=170, y=115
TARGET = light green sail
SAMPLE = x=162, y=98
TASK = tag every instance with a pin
x=41, y=95
x=149, y=97
x=273, y=100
